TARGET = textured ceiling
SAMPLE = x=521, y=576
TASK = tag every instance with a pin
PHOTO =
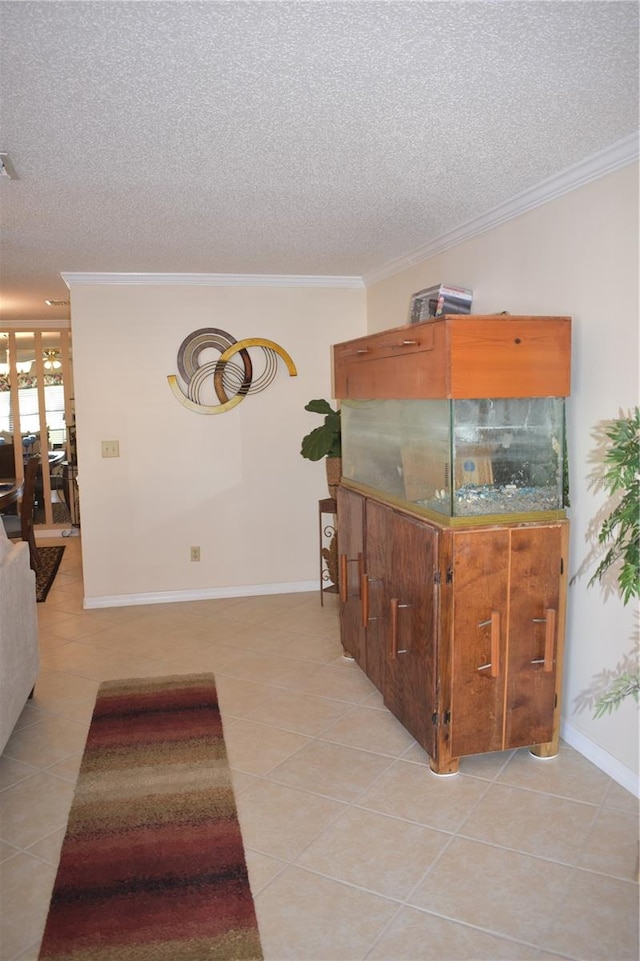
x=287, y=137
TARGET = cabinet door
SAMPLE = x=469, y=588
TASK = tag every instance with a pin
x=401, y=557
x=534, y=617
x=479, y=625
x=412, y=597
x=375, y=599
x=506, y=586
x=351, y=569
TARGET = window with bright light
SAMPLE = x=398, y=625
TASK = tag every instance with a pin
x=29, y=412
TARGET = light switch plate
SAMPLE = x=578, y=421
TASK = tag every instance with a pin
x=110, y=448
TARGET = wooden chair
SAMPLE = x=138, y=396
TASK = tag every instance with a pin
x=21, y=527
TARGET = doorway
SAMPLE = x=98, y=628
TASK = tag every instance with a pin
x=37, y=419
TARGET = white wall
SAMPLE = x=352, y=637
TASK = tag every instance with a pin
x=577, y=255
x=233, y=484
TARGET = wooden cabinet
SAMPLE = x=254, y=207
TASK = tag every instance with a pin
x=453, y=598
x=461, y=630
x=458, y=356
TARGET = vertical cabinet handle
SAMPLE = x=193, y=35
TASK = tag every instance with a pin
x=549, y=639
x=365, y=582
x=394, y=605
x=343, y=578
x=493, y=667
x=393, y=653
x=495, y=644
x=364, y=594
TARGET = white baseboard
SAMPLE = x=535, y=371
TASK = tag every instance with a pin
x=206, y=594
x=44, y=533
x=601, y=758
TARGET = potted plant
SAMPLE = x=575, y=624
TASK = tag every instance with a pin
x=325, y=441
x=619, y=535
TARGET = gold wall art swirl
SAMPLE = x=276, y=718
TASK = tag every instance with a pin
x=232, y=374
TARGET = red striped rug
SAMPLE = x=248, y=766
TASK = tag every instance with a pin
x=152, y=866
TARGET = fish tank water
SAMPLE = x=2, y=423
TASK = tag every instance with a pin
x=459, y=459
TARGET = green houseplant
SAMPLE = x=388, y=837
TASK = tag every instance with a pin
x=619, y=535
x=325, y=441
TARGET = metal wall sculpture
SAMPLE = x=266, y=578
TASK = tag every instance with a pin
x=232, y=379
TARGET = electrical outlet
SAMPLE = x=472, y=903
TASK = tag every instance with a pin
x=195, y=553
x=110, y=448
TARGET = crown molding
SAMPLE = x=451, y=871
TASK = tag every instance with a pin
x=619, y=154
x=209, y=280
x=48, y=325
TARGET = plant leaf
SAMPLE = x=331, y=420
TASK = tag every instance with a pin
x=316, y=445
x=319, y=407
x=620, y=530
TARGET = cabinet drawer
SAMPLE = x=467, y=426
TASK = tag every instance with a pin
x=401, y=364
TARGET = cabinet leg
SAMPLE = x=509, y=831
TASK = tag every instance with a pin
x=445, y=768
x=550, y=749
x=345, y=654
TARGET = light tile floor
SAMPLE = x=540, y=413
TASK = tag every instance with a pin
x=355, y=849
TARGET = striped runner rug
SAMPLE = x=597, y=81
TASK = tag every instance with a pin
x=152, y=866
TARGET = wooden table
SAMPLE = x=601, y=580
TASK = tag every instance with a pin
x=10, y=491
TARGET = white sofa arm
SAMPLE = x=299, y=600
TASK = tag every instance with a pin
x=19, y=653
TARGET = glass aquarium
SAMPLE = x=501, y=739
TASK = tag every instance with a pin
x=459, y=458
